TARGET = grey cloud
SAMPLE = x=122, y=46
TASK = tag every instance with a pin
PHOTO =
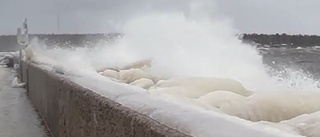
x=80, y=16
x=271, y=16
x=76, y=15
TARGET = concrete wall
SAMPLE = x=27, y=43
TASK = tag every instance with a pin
x=73, y=111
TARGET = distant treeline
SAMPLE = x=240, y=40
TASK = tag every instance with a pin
x=280, y=40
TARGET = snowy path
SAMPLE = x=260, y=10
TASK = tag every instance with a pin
x=17, y=117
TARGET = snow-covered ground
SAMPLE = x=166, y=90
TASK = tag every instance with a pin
x=17, y=116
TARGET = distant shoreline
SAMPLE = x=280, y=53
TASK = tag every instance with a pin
x=281, y=40
x=9, y=42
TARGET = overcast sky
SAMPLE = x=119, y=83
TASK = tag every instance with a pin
x=90, y=16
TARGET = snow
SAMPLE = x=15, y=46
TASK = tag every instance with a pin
x=17, y=116
x=10, y=54
x=307, y=124
x=177, y=114
x=16, y=83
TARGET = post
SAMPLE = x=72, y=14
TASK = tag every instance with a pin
x=23, y=41
x=58, y=23
x=20, y=52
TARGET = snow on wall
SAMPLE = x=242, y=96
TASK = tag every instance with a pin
x=185, y=117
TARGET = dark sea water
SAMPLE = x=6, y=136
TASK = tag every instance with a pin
x=306, y=60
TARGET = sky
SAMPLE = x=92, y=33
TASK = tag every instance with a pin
x=93, y=16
